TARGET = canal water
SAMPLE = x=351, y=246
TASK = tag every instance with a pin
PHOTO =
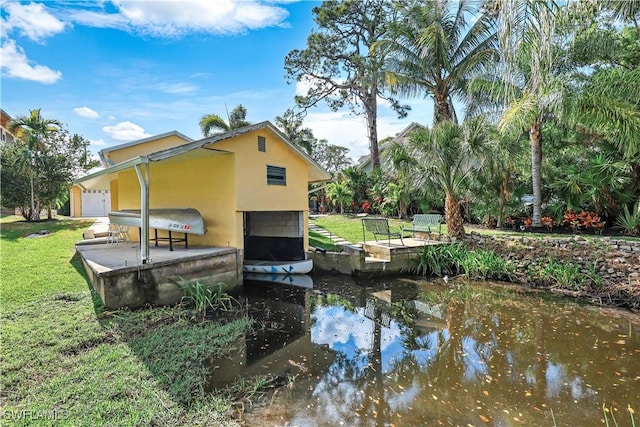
x=409, y=352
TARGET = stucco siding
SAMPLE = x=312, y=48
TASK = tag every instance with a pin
x=206, y=184
x=254, y=194
x=149, y=147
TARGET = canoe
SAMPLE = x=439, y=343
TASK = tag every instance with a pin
x=181, y=220
x=277, y=267
x=301, y=280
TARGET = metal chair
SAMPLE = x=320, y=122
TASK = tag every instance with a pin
x=118, y=233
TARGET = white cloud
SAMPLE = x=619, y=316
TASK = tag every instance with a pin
x=32, y=20
x=15, y=64
x=125, y=131
x=166, y=18
x=341, y=128
x=97, y=142
x=86, y=112
x=177, y=88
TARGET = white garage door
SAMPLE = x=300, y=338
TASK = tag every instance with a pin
x=96, y=203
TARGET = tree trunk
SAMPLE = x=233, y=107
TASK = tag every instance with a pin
x=500, y=207
x=535, y=137
x=371, y=110
x=443, y=108
x=453, y=217
x=35, y=215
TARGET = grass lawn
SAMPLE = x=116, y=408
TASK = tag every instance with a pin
x=349, y=227
x=64, y=357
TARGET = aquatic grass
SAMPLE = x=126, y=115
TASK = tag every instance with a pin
x=563, y=275
x=609, y=411
x=454, y=259
x=203, y=298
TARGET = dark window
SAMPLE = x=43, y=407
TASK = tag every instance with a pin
x=276, y=175
x=262, y=144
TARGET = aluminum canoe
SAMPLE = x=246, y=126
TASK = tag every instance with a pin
x=181, y=220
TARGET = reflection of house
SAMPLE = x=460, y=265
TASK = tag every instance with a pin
x=249, y=185
x=364, y=162
x=97, y=202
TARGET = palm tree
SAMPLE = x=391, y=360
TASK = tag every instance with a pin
x=291, y=125
x=434, y=50
x=339, y=193
x=446, y=157
x=211, y=124
x=533, y=80
x=33, y=130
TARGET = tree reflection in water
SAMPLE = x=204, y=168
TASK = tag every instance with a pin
x=503, y=359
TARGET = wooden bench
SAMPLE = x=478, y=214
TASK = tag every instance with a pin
x=422, y=223
x=379, y=226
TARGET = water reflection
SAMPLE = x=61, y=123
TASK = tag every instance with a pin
x=383, y=354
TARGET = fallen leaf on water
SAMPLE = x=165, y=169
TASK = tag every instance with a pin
x=527, y=394
x=485, y=392
x=483, y=418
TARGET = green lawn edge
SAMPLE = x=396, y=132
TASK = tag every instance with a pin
x=65, y=361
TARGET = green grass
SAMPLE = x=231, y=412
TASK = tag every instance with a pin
x=319, y=241
x=33, y=268
x=61, y=354
x=349, y=227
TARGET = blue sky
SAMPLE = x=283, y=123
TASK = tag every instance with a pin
x=117, y=71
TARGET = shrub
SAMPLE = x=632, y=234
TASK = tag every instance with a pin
x=442, y=260
x=202, y=297
x=584, y=220
x=630, y=221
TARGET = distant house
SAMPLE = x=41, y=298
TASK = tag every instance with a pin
x=249, y=185
x=6, y=137
x=364, y=162
x=93, y=203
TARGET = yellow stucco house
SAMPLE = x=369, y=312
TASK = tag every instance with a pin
x=85, y=202
x=249, y=185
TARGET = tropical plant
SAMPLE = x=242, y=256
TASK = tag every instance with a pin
x=339, y=193
x=433, y=49
x=446, y=157
x=291, y=125
x=203, y=298
x=212, y=123
x=540, y=80
x=33, y=131
x=358, y=182
x=457, y=259
x=630, y=221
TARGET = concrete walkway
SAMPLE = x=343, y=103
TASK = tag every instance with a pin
x=335, y=239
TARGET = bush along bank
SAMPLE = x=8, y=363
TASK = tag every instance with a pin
x=604, y=271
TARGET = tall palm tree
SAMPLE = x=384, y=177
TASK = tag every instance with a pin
x=533, y=80
x=211, y=124
x=446, y=157
x=435, y=49
x=33, y=131
x=291, y=124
